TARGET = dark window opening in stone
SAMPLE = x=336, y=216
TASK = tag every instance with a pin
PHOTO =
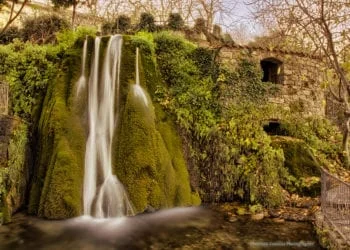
x=271, y=70
x=273, y=127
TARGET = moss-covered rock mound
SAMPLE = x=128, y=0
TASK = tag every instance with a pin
x=303, y=168
x=56, y=190
x=148, y=156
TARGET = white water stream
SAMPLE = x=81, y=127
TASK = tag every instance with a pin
x=82, y=79
x=138, y=91
x=104, y=196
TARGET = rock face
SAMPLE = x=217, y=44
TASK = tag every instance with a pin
x=14, y=168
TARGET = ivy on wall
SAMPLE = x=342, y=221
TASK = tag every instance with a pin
x=222, y=111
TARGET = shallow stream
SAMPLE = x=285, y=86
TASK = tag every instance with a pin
x=179, y=228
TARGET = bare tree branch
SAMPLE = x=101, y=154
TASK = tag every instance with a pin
x=13, y=15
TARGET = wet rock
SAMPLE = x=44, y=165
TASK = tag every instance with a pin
x=274, y=213
x=149, y=209
x=232, y=219
x=278, y=220
x=258, y=216
x=304, y=202
x=294, y=213
x=266, y=214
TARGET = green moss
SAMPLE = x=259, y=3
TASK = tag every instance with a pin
x=149, y=159
x=141, y=157
x=148, y=155
x=298, y=157
x=6, y=214
x=165, y=124
x=57, y=185
x=303, y=168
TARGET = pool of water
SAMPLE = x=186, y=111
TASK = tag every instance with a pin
x=179, y=228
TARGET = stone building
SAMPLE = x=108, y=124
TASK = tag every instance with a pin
x=299, y=76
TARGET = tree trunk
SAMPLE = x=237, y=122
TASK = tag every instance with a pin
x=74, y=12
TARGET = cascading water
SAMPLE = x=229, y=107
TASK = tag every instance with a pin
x=104, y=195
x=82, y=80
x=138, y=91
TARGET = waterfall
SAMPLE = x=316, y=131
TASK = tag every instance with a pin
x=138, y=91
x=104, y=195
x=82, y=79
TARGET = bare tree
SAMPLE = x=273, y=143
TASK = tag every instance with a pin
x=161, y=9
x=324, y=24
x=219, y=11
x=14, y=13
x=210, y=10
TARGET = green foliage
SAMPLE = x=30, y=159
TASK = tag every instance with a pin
x=217, y=30
x=68, y=38
x=243, y=84
x=10, y=34
x=175, y=21
x=28, y=71
x=227, y=38
x=233, y=156
x=63, y=3
x=43, y=29
x=205, y=61
x=29, y=68
x=254, y=209
x=191, y=96
x=200, y=25
x=303, y=169
x=17, y=154
x=147, y=22
x=13, y=178
x=107, y=28
x=323, y=139
x=122, y=24
x=252, y=168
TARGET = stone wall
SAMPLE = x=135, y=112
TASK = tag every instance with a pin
x=300, y=77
